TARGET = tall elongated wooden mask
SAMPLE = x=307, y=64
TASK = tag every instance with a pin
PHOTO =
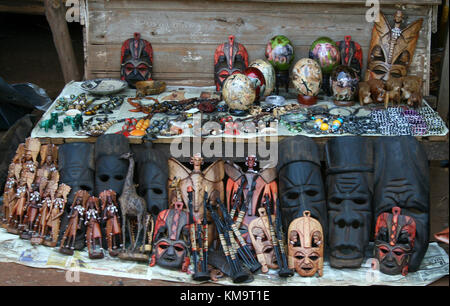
x=229, y=58
x=392, y=48
x=305, y=249
x=136, y=60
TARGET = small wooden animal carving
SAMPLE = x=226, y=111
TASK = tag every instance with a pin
x=412, y=91
x=377, y=90
x=393, y=87
x=365, y=96
x=133, y=207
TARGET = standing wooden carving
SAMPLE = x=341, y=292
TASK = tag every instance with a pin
x=209, y=179
x=259, y=232
x=9, y=194
x=111, y=215
x=17, y=211
x=305, y=250
x=93, y=232
x=392, y=48
x=50, y=229
x=76, y=217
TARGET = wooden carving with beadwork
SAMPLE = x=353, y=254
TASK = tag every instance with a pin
x=392, y=47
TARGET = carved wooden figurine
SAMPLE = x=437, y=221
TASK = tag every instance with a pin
x=93, y=232
x=394, y=95
x=49, y=161
x=17, y=212
x=76, y=217
x=30, y=165
x=392, y=48
x=48, y=196
x=412, y=91
x=210, y=179
x=259, y=232
x=377, y=90
x=134, y=209
x=111, y=215
x=9, y=194
x=244, y=201
x=51, y=226
x=32, y=213
x=364, y=94
x=306, y=242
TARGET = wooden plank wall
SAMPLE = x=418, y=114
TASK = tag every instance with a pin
x=184, y=34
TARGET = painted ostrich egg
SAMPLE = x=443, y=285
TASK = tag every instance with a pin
x=344, y=83
x=280, y=52
x=258, y=80
x=325, y=51
x=269, y=75
x=307, y=77
x=238, y=92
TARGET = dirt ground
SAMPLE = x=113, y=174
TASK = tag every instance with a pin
x=27, y=54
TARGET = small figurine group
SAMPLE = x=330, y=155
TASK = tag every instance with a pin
x=33, y=201
x=85, y=212
x=406, y=89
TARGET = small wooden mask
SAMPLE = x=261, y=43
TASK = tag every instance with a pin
x=305, y=250
x=259, y=233
x=394, y=241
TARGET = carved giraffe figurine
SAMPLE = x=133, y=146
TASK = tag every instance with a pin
x=132, y=205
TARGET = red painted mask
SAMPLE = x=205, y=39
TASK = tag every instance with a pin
x=394, y=241
x=136, y=60
x=351, y=54
x=229, y=58
x=171, y=238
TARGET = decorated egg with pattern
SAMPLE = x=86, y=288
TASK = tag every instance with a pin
x=269, y=75
x=280, y=52
x=325, y=51
x=258, y=80
x=238, y=92
x=307, y=77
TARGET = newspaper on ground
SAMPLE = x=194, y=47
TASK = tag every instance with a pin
x=13, y=249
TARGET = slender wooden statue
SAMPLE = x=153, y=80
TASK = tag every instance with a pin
x=93, y=232
x=111, y=215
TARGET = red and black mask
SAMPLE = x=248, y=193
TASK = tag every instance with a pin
x=351, y=54
x=136, y=60
x=394, y=241
x=229, y=58
x=402, y=179
x=171, y=238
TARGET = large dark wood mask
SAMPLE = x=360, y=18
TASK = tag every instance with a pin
x=229, y=58
x=402, y=179
x=136, y=60
x=110, y=169
x=349, y=192
x=152, y=174
x=392, y=48
x=300, y=181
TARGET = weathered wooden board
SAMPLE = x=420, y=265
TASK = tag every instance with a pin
x=184, y=34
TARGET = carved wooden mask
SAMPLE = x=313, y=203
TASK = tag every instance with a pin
x=136, y=60
x=171, y=238
x=229, y=58
x=300, y=181
x=350, y=188
x=305, y=247
x=394, y=240
x=259, y=233
x=392, y=48
x=402, y=180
